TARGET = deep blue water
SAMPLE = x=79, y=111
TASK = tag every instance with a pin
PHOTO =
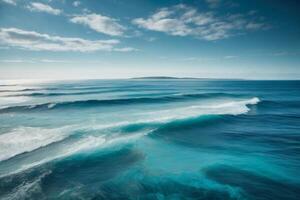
x=150, y=139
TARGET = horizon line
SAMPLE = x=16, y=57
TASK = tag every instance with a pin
x=22, y=80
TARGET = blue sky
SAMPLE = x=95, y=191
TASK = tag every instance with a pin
x=64, y=39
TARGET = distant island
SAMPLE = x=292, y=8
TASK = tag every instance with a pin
x=172, y=77
x=162, y=77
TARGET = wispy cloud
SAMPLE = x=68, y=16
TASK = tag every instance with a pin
x=230, y=57
x=76, y=3
x=55, y=61
x=207, y=59
x=11, y=2
x=40, y=7
x=183, y=20
x=190, y=59
x=35, y=41
x=49, y=61
x=286, y=53
x=16, y=61
x=100, y=23
x=125, y=49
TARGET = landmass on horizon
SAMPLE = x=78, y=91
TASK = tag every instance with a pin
x=174, y=77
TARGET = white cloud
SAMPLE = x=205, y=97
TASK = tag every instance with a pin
x=125, y=49
x=12, y=2
x=40, y=7
x=161, y=21
x=35, y=41
x=76, y=3
x=100, y=23
x=182, y=20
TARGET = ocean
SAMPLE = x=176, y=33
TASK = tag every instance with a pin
x=150, y=139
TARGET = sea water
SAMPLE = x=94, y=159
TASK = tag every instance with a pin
x=150, y=139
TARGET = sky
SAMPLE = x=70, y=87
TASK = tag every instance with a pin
x=100, y=39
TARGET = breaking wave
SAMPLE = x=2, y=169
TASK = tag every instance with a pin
x=27, y=139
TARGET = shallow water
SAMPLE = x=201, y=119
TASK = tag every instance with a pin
x=150, y=139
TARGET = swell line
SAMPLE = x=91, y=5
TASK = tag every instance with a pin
x=108, y=102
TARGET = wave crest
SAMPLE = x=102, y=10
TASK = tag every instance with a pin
x=111, y=102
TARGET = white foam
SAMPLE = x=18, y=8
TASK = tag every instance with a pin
x=232, y=108
x=164, y=116
x=51, y=105
x=225, y=108
x=8, y=101
x=26, y=139
x=85, y=144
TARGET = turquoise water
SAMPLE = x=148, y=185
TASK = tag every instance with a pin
x=150, y=139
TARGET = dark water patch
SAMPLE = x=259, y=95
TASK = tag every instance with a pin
x=255, y=185
x=52, y=179
x=242, y=134
x=203, y=132
x=135, y=127
x=162, y=188
x=23, y=185
x=291, y=153
x=291, y=107
x=88, y=171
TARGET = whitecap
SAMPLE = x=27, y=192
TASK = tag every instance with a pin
x=26, y=139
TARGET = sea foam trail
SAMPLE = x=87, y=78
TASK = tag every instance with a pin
x=28, y=139
x=226, y=108
x=84, y=144
x=169, y=115
x=6, y=102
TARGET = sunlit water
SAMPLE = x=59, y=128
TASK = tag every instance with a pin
x=150, y=139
